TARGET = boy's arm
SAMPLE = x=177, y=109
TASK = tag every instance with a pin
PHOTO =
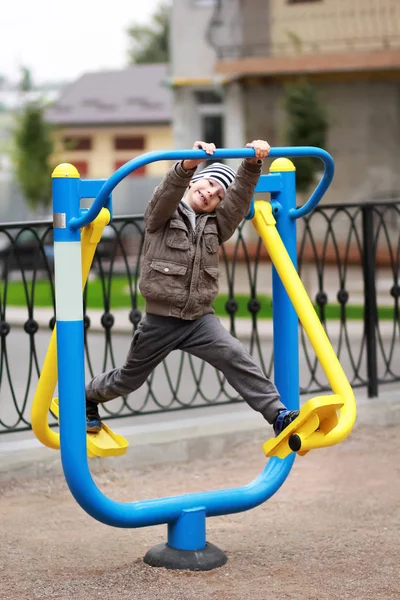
x=235, y=206
x=167, y=196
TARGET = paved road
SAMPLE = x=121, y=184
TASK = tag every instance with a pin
x=331, y=532
x=181, y=374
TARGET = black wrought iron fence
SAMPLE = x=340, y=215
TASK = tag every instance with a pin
x=349, y=257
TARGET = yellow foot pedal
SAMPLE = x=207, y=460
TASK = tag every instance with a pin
x=104, y=443
x=317, y=417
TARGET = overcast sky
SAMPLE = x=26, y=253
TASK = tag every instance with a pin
x=62, y=40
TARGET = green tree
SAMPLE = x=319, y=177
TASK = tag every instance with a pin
x=307, y=126
x=25, y=84
x=150, y=43
x=33, y=148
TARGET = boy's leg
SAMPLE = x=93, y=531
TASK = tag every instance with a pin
x=210, y=341
x=153, y=340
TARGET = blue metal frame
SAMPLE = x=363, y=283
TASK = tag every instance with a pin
x=150, y=157
x=285, y=320
x=184, y=514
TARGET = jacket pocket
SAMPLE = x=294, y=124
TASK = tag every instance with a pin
x=166, y=280
x=168, y=268
x=177, y=236
x=211, y=239
x=209, y=283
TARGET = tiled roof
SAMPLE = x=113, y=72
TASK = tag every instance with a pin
x=138, y=94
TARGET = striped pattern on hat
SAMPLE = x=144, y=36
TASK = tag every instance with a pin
x=219, y=172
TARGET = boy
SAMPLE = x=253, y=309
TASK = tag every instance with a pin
x=179, y=281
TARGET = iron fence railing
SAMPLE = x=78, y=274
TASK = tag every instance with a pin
x=349, y=261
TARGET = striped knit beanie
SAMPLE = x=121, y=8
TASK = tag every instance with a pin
x=218, y=172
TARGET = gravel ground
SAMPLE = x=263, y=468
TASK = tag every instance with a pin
x=330, y=533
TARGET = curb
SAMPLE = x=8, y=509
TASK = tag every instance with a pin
x=206, y=433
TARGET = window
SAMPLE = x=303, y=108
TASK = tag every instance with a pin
x=207, y=97
x=132, y=142
x=212, y=129
x=210, y=110
x=81, y=165
x=77, y=143
x=137, y=173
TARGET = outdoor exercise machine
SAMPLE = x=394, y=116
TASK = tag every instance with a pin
x=323, y=421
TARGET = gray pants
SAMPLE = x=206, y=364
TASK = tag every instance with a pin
x=205, y=338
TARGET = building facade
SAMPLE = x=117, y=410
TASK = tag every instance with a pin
x=242, y=53
x=105, y=119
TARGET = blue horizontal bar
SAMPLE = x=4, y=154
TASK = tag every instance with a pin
x=150, y=157
x=161, y=510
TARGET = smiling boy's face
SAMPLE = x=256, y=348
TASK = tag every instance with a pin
x=204, y=195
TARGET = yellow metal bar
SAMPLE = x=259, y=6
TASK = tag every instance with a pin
x=264, y=223
x=318, y=416
x=205, y=81
x=91, y=235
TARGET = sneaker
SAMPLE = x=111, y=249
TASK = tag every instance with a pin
x=284, y=418
x=93, y=421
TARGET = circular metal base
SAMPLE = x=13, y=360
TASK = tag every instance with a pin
x=206, y=559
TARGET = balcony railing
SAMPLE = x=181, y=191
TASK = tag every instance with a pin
x=278, y=29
